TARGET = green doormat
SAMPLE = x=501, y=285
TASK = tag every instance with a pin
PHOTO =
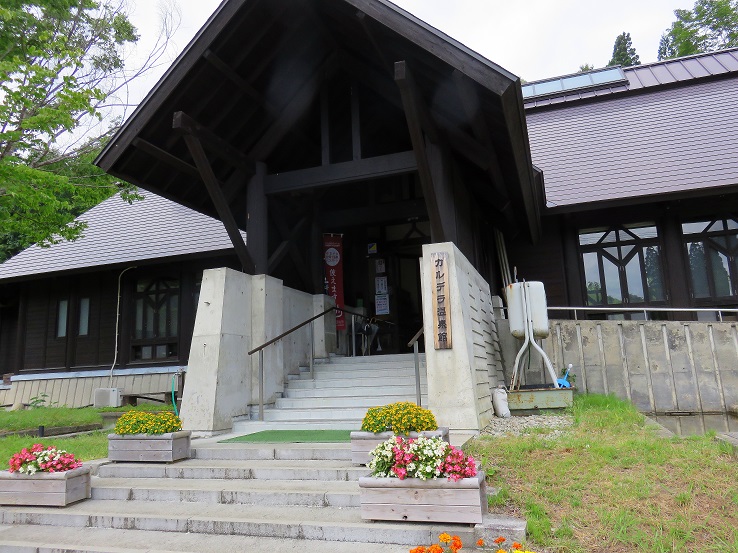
x=293, y=436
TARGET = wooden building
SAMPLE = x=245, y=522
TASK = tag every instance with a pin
x=287, y=120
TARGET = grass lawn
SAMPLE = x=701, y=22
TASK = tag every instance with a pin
x=611, y=485
x=28, y=419
x=86, y=447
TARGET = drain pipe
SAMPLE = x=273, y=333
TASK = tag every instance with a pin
x=117, y=324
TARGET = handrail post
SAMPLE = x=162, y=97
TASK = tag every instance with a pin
x=353, y=336
x=312, y=349
x=261, y=385
x=417, y=373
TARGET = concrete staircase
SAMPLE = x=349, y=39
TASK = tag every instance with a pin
x=229, y=497
x=339, y=393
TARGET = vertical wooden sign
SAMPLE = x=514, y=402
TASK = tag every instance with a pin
x=441, y=301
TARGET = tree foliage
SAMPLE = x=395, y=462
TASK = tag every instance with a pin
x=623, y=52
x=62, y=73
x=711, y=25
x=585, y=67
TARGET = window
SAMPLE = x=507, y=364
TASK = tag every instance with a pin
x=156, y=319
x=622, y=266
x=62, y=314
x=84, y=317
x=712, y=252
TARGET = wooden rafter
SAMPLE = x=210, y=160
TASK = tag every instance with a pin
x=170, y=159
x=413, y=108
x=284, y=247
x=184, y=123
x=221, y=205
x=284, y=230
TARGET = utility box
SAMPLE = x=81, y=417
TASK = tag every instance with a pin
x=535, y=296
x=107, y=397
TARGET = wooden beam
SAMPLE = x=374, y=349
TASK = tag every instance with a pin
x=216, y=195
x=170, y=159
x=363, y=20
x=368, y=215
x=325, y=128
x=342, y=173
x=243, y=85
x=411, y=100
x=257, y=224
x=184, y=123
x=294, y=109
x=284, y=247
x=297, y=259
x=355, y=122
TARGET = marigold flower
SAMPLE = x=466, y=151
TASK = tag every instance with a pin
x=435, y=548
x=480, y=542
x=500, y=540
x=516, y=545
x=444, y=538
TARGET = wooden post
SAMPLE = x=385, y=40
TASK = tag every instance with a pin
x=258, y=220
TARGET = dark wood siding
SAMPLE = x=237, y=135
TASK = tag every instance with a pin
x=543, y=261
x=8, y=335
x=37, y=322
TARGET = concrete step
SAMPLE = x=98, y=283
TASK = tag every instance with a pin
x=315, y=413
x=306, y=523
x=341, y=401
x=362, y=367
x=248, y=451
x=231, y=470
x=375, y=391
x=366, y=373
x=307, y=493
x=54, y=539
x=361, y=359
x=355, y=383
x=254, y=425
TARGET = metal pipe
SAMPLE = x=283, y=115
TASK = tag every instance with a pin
x=312, y=349
x=261, y=384
x=117, y=326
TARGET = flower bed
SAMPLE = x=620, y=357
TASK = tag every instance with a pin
x=149, y=437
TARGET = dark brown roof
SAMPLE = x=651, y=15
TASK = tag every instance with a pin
x=679, y=70
x=641, y=145
x=121, y=233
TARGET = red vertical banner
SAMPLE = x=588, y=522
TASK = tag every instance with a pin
x=333, y=261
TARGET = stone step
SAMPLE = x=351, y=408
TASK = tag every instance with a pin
x=354, y=383
x=231, y=470
x=341, y=401
x=54, y=539
x=375, y=391
x=367, y=373
x=306, y=523
x=246, y=426
x=307, y=493
x=363, y=367
x=253, y=451
x=315, y=413
x=363, y=359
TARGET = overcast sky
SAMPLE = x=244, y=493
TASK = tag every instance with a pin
x=533, y=39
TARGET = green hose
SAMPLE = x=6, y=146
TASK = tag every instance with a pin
x=174, y=400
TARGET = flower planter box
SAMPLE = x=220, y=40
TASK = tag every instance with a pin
x=363, y=442
x=164, y=448
x=43, y=489
x=415, y=500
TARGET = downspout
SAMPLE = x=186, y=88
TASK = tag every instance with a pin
x=117, y=324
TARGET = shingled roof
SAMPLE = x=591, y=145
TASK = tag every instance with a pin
x=671, y=130
x=121, y=233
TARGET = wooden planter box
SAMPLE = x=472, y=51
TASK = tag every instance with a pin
x=165, y=448
x=415, y=500
x=44, y=489
x=363, y=442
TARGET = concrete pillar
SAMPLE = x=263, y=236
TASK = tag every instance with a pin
x=267, y=297
x=218, y=386
x=326, y=340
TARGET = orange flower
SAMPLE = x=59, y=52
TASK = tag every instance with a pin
x=500, y=540
x=435, y=548
x=456, y=544
x=480, y=542
x=516, y=545
x=444, y=538
x=500, y=551
x=419, y=549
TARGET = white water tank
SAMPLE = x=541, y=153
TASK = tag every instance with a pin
x=536, y=296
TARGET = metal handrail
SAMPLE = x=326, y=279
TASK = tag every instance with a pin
x=414, y=344
x=309, y=321
x=645, y=310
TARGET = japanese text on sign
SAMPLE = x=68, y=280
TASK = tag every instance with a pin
x=441, y=301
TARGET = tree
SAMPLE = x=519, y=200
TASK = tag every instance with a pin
x=586, y=67
x=711, y=25
x=62, y=78
x=623, y=52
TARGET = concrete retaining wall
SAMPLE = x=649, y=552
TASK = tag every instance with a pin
x=662, y=367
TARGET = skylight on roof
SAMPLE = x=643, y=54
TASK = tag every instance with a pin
x=579, y=81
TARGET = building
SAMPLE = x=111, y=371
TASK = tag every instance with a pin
x=353, y=118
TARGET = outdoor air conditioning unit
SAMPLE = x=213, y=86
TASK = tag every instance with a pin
x=108, y=397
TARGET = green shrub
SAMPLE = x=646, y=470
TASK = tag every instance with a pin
x=401, y=418
x=139, y=422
